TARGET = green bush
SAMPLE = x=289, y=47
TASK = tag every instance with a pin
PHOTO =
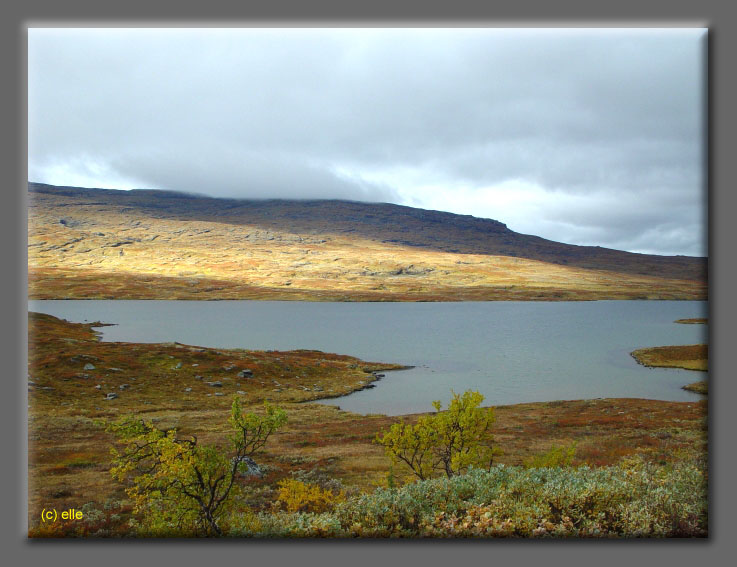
x=634, y=499
x=448, y=442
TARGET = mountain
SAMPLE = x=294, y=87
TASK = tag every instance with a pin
x=147, y=244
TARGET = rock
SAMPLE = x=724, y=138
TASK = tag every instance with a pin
x=241, y=392
x=229, y=367
x=248, y=467
x=98, y=387
x=198, y=377
x=70, y=223
x=219, y=394
x=188, y=389
x=89, y=366
x=216, y=384
x=178, y=366
x=124, y=386
x=113, y=369
x=245, y=373
x=111, y=396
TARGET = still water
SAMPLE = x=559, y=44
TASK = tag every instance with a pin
x=511, y=352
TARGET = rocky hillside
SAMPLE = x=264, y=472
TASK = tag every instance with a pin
x=97, y=243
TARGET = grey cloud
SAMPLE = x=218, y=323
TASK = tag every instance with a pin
x=270, y=113
x=226, y=172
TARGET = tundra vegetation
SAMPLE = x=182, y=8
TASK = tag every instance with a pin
x=585, y=468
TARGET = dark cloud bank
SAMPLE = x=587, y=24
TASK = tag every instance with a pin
x=588, y=137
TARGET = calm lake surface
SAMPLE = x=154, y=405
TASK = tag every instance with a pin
x=511, y=352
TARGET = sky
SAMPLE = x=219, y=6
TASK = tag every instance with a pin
x=591, y=137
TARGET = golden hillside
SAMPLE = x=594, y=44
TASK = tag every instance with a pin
x=95, y=243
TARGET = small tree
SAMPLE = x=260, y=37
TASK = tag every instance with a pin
x=180, y=485
x=448, y=441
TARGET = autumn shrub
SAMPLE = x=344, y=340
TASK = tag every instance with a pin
x=447, y=442
x=554, y=457
x=180, y=487
x=297, y=496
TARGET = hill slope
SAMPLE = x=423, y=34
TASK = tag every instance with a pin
x=97, y=243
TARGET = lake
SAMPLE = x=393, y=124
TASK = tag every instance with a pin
x=511, y=352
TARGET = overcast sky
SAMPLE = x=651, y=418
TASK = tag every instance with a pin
x=582, y=136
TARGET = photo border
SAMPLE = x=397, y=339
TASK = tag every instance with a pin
x=717, y=16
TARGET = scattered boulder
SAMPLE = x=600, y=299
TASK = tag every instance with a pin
x=69, y=223
x=89, y=366
x=219, y=394
x=110, y=396
x=216, y=384
x=245, y=373
x=241, y=392
x=124, y=386
x=98, y=387
x=198, y=377
x=188, y=389
x=178, y=366
x=248, y=467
